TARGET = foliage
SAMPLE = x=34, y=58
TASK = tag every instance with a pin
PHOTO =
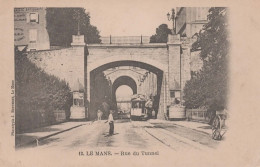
x=161, y=35
x=209, y=87
x=37, y=91
x=62, y=23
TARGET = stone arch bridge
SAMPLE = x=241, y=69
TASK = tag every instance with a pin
x=159, y=69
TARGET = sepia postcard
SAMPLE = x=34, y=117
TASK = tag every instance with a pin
x=130, y=83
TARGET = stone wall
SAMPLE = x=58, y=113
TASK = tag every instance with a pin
x=174, y=61
x=66, y=64
x=149, y=85
x=165, y=99
x=101, y=54
x=134, y=73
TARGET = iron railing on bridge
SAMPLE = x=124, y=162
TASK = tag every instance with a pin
x=125, y=39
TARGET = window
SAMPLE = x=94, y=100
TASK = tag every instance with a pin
x=33, y=17
x=172, y=94
x=33, y=35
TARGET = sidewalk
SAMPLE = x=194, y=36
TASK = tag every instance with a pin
x=199, y=126
x=38, y=134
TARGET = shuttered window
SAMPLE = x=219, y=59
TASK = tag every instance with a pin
x=33, y=35
x=33, y=17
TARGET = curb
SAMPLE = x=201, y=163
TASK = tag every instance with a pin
x=45, y=137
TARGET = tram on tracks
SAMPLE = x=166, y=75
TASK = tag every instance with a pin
x=138, y=110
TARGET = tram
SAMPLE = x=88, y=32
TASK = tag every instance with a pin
x=138, y=110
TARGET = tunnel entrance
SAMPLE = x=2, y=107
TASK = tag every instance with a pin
x=102, y=90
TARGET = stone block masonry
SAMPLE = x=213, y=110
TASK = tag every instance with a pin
x=66, y=64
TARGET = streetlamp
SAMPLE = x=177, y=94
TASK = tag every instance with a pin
x=172, y=17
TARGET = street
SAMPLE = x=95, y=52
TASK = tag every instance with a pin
x=134, y=135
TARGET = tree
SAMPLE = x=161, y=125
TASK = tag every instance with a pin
x=161, y=35
x=37, y=95
x=62, y=23
x=209, y=87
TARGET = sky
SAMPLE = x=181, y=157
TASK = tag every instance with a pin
x=124, y=92
x=128, y=18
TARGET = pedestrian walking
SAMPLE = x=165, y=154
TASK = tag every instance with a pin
x=99, y=114
x=111, y=123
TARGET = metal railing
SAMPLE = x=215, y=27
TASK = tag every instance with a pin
x=197, y=114
x=125, y=39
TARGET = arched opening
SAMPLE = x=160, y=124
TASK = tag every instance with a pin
x=123, y=96
x=122, y=85
x=123, y=80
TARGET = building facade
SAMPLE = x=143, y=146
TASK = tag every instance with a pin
x=190, y=20
x=30, y=28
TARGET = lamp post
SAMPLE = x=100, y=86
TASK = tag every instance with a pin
x=172, y=17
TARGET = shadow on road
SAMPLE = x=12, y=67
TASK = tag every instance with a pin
x=205, y=127
x=108, y=135
x=122, y=120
